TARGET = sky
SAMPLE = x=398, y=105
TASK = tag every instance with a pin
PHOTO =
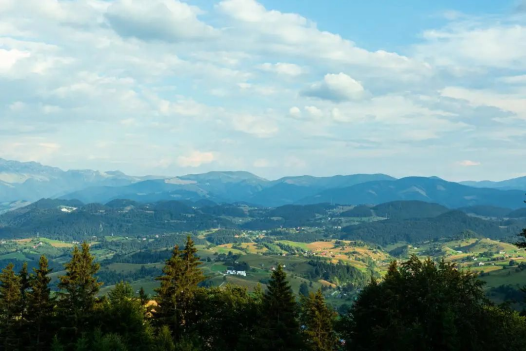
x=168, y=87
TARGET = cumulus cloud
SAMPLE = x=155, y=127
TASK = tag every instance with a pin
x=166, y=20
x=314, y=111
x=195, y=159
x=336, y=87
x=294, y=112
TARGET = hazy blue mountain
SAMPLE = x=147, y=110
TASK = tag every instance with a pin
x=338, y=181
x=30, y=181
x=449, y=194
x=519, y=213
x=487, y=211
x=222, y=187
x=409, y=210
x=510, y=184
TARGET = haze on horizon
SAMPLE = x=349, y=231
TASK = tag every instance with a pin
x=275, y=88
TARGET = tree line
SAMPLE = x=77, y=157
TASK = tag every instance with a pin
x=419, y=305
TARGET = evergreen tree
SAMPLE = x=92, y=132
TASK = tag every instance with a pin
x=123, y=315
x=317, y=323
x=164, y=340
x=179, y=284
x=303, y=290
x=279, y=328
x=24, y=285
x=56, y=345
x=10, y=308
x=79, y=288
x=521, y=242
x=167, y=299
x=40, y=307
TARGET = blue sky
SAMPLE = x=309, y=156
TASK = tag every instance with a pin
x=273, y=87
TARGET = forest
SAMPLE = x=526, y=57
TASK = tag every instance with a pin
x=418, y=305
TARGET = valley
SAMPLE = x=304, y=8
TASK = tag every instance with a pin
x=311, y=242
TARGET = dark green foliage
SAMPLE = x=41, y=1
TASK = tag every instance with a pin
x=358, y=211
x=227, y=236
x=317, y=323
x=521, y=242
x=304, y=289
x=10, y=309
x=124, y=315
x=228, y=318
x=179, y=284
x=339, y=273
x=409, y=210
x=425, y=306
x=79, y=288
x=417, y=230
x=40, y=307
x=279, y=329
x=56, y=345
x=163, y=341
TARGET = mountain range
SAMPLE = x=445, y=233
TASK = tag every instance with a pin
x=23, y=182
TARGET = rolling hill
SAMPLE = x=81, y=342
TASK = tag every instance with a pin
x=446, y=225
x=449, y=194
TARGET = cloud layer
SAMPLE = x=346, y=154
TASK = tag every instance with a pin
x=167, y=87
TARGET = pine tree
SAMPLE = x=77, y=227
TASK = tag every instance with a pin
x=166, y=309
x=10, y=308
x=317, y=322
x=56, y=345
x=164, y=340
x=79, y=290
x=303, y=290
x=40, y=306
x=279, y=330
x=179, y=283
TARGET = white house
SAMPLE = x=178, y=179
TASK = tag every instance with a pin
x=233, y=272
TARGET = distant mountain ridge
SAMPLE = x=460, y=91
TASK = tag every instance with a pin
x=29, y=181
x=510, y=184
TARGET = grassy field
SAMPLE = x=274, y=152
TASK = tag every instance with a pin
x=493, y=255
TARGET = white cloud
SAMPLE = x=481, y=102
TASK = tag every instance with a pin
x=255, y=125
x=514, y=103
x=294, y=112
x=292, y=34
x=520, y=79
x=314, y=111
x=336, y=87
x=165, y=20
x=9, y=57
x=280, y=68
x=195, y=159
x=475, y=43
x=468, y=163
